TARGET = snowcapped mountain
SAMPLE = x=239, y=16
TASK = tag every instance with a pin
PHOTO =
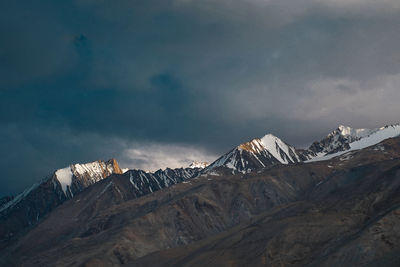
x=270, y=150
x=41, y=198
x=70, y=180
x=25, y=209
x=259, y=153
x=36, y=201
x=76, y=177
x=110, y=217
x=339, y=139
x=345, y=139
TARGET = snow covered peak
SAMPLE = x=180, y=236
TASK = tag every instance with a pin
x=270, y=150
x=351, y=139
x=96, y=169
x=198, y=164
x=257, y=153
x=273, y=145
x=65, y=182
x=270, y=136
x=345, y=130
x=86, y=174
x=339, y=139
x=353, y=133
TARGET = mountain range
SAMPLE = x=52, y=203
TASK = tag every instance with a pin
x=264, y=202
x=270, y=150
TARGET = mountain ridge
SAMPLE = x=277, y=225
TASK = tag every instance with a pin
x=270, y=150
x=26, y=209
x=286, y=214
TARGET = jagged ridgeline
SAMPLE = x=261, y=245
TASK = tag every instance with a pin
x=270, y=150
x=98, y=203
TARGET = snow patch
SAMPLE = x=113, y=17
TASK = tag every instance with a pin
x=274, y=145
x=64, y=176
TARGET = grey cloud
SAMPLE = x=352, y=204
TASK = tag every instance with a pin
x=200, y=74
x=35, y=43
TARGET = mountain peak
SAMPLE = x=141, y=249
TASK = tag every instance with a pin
x=344, y=130
x=355, y=133
x=279, y=149
x=82, y=175
x=258, y=153
x=198, y=164
x=270, y=149
x=63, y=184
x=345, y=139
x=270, y=135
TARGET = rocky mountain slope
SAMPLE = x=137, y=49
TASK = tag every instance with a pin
x=27, y=208
x=350, y=218
x=318, y=213
x=258, y=153
x=30, y=206
x=243, y=209
x=143, y=183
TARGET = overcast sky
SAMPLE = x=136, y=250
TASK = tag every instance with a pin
x=158, y=83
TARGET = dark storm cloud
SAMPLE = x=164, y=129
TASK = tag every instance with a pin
x=88, y=79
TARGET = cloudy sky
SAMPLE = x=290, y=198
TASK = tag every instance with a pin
x=158, y=83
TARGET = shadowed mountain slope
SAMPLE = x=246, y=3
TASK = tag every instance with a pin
x=306, y=213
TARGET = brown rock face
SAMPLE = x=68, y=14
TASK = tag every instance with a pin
x=115, y=165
